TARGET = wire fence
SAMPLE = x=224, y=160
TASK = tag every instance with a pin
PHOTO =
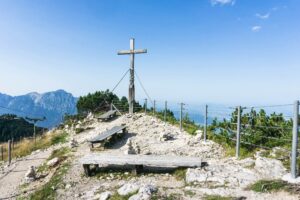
x=249, y=127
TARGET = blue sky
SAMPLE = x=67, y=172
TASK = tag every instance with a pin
x=220, y=51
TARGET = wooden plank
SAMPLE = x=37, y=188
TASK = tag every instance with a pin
x=108, y=115
x=107, y=134
x=138, y=160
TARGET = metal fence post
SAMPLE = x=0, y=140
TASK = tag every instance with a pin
x=205, y=123
x=238, y=133
x=295, y=140
x=145, y=106
x=181, y=108
x=9, y=152
x=154, y=107
x=165, y=114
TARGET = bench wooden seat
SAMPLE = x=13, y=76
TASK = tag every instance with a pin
x=107, y=135
x=138, y=161
x=108, y=115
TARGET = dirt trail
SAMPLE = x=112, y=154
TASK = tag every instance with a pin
x=12, y=177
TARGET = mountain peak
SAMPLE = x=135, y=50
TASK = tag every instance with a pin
x=53, y=105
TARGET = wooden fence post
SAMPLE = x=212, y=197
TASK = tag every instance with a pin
x=9, y=152
x=2, y=152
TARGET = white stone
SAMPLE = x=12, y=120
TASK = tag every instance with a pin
x=68, y=186
x=140, y=196
x=131, y=147
x=269, y=168
x=166, y=136
x=73, y=143
x=105, y=195
x=148, y=189
x=30, y=174
x=199, y=134
x=128, y=188
x=288, y=178
x=77, y=126
x=53, y=162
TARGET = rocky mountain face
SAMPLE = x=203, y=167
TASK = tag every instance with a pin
x=52, y=105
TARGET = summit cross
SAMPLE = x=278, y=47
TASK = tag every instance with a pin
x=131, y=52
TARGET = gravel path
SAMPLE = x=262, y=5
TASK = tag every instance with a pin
x=12, y=177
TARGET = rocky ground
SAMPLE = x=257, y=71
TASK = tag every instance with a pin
x=222, y=176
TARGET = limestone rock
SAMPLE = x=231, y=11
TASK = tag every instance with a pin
x=269, y=168
x=148, y=189
x=128, y=188
x=77, y=126
x=73, y=143
x=165, y=136
x=105, y=195
x=53, y=162
x=199, y=134
x=30, y=175
x=132, y=148
x=222, y=175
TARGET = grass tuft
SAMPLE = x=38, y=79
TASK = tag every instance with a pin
x=269, y=186
x=180, y=173
x=217, y=197
x=27, y=146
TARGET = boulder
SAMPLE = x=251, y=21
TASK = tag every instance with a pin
x=128, y=188
x=53, y=162
x=269, y=168
x=30, y=175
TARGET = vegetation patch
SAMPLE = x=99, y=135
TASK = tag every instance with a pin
x=217, y=197
x=48, y=191
x=58, y=153
x=180, y=173
x=27, y=145
x=189, y=193
x=79, y=130
x=114, y=175
x=116, y=196
x=270, y=186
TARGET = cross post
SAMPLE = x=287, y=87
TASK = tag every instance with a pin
x=131, y=52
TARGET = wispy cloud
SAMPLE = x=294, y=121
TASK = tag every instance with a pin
x=222, y=2
x=256, y=28
x=265, y=16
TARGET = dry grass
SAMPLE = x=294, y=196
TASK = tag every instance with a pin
x=28, y=145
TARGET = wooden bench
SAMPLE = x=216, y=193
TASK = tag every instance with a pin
x=137, y=162
x=108, y=135
x=108, y=115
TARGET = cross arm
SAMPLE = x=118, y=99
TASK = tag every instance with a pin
x=137, y=51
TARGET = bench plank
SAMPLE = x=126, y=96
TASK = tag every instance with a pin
x=107, y=134
x=103, y=159
x=107, y=115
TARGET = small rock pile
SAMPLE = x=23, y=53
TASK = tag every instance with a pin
x=30, y=175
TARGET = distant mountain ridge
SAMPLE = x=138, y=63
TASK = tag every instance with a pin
x=52, y=105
